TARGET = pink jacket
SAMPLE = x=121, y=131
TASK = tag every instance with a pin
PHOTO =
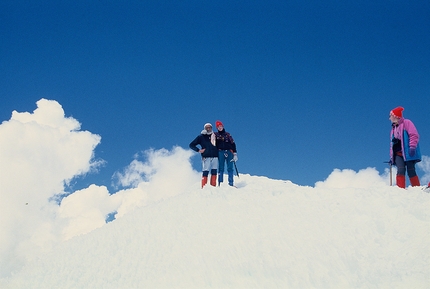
x=408, y=134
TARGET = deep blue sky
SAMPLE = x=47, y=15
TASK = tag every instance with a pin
x=303, y=86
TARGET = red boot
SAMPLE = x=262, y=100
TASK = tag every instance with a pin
x=415, y=181
x=401, y=181
x=204, y=181
x=213, y=180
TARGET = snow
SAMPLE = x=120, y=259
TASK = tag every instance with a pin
x=264, y=234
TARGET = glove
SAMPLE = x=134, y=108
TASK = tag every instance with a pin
x=412, y=151
x=235, y=158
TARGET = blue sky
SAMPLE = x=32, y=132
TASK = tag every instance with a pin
x=304, y=87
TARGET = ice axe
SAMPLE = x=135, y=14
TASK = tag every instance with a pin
x=235, y=167
x=390, y=163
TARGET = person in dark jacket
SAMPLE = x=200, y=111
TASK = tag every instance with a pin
x=209, y=152
x=404, y=147
x=226, y=152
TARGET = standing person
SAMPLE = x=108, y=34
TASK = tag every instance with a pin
x=405, y=149
x=226, y=152
x=209, y=152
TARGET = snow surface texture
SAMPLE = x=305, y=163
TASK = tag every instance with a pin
x=350, y=231
x=265, y=234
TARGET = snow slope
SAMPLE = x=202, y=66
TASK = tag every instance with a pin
x=351, y=231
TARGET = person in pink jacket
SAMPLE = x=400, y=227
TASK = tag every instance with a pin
x=404, y=148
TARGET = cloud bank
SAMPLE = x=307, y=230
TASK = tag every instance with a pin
x=41, y=153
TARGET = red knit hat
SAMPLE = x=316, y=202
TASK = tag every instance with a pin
x=397, y=111
x=218, y=123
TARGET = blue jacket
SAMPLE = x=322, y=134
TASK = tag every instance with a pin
x=204, y=140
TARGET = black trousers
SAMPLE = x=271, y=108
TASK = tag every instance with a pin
x=403, y=166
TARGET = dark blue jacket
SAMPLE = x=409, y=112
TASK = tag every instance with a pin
x=204, y=140
x=224, y=141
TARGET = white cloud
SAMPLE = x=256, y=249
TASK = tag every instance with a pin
x=425, y=166
x=164, y=174
x=85, y=210
x=48, y=113
x=347, y=178
x=40, y=152
x=170, y=172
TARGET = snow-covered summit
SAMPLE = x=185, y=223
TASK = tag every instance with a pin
x=264, y=234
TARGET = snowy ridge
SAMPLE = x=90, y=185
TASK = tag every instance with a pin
x=265, y=234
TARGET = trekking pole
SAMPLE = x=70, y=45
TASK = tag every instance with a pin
x=235, y=167
x=391, y=170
